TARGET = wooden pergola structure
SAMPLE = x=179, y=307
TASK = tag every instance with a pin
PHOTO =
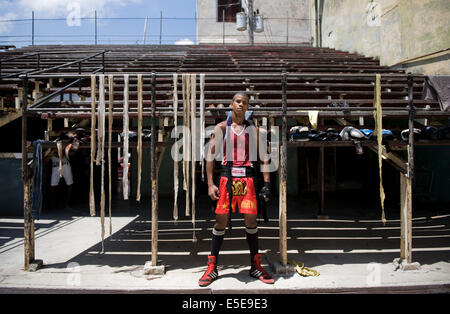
x=283, y=82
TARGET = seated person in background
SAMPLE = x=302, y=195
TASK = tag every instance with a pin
x=66, y=173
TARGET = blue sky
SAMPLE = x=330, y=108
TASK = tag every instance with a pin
x=118, y=21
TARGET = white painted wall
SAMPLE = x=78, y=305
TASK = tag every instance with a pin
x=390, y=30
x=276, y=30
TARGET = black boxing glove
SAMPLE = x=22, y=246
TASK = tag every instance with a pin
x=265, y=191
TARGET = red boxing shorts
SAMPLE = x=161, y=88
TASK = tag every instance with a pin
x=244, y=196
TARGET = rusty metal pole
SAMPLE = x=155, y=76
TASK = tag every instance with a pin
x=154, y=181
x=223, y=27
x=95, y=21
x=283, y=175
x=32, y=28
x=160, y=28
x=250, y=23
x=103, y=62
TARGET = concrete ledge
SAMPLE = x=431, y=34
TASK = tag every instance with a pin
x=149, y=269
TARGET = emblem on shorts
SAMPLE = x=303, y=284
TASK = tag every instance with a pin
x=239, y=188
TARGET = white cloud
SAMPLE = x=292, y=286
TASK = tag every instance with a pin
x=185, y=41
x=5, y=26
x=70, y=9
x=61, y=8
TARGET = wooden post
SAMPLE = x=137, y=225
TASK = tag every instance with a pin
x=283, y=176
x=407, y=208
x=153, y=177
x=28, y=219
x=321, y=181
x=406, y=182
x=405, y=218
x=411, y=127
x=250, y=23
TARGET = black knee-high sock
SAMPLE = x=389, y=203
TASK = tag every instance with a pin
x=252, y=240
x=216, y=243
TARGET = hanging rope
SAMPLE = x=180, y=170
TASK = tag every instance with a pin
x=100, y=120
x=110, y=123
x=60, y=157
x=125, y=137
x=175, y=162
x=194, y=147
x=91, y=190
x=100, y=152
x=202, y=124
x=139, y=144
x=378, y=115
x=186, y=143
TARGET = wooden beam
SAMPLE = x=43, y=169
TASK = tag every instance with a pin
x=405, y=261
x=321, y=181
x=405, y=218
x=154, y=181
x=28, y=225
x=283, y=179
x=11, y=116
x=392, y=158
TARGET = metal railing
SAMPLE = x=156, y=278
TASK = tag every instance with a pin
x=292, y=110
x=38, y=69
x=161, y=31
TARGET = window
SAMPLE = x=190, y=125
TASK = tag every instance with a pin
x=231, y=7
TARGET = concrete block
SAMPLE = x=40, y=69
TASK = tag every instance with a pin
x=279, y=268
x=149, y=269
x=410, y=266
x=400, y=264
x=35, y=265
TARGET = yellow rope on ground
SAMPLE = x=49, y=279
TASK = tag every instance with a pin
x=302, y=270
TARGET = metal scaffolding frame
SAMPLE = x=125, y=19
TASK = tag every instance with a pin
x=279, y=86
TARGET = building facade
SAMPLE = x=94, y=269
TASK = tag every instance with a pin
x=285, y=21
x=413, y=34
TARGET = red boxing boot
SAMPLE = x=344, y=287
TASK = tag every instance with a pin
x=256, y=271
x=210, y=274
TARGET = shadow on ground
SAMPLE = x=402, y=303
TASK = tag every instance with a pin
x=353, y=234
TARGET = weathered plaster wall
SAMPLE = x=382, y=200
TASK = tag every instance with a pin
x=391, y=30
x=275, y=26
